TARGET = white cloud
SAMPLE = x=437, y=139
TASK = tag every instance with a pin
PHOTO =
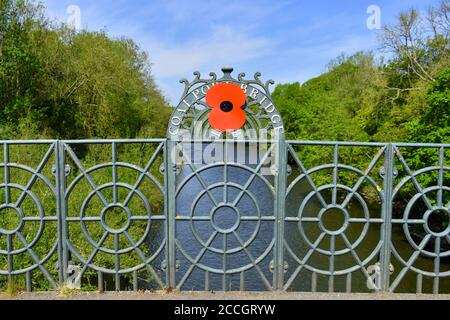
x=181, y=37
x=228, y=48
x=225, y=46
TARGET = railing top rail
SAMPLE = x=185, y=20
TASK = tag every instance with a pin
x=104, y=141
x=369, y=144
x=423, y=145
x=333, y=143
x=291, y=142
x=27, y=141
x=227, y=141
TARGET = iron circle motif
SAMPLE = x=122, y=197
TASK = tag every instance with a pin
x=444, y=234
x=342, y=230
x=408, y=221
x=122, y=208
x=109, y=230
x=366, y=220
x=427, y=217
x=228, y=231
x=21, y=223
x=344, y=226
x=19, y=214
x=25, y=218
x=225, y=229
x=217, y=229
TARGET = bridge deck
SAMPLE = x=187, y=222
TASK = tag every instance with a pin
x=274, y=295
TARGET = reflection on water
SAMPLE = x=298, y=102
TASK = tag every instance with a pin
x=232, y=227
x=236, y=219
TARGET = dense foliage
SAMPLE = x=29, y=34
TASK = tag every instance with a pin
x=59, y=83
x=362, y=98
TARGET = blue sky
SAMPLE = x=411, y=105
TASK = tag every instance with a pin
x=286, y=40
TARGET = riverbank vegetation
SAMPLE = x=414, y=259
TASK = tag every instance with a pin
x=400, y=92
x=61, y=84
x=58, y=83
x=363, y=97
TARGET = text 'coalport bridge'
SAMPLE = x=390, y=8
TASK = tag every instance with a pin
x=204, y=211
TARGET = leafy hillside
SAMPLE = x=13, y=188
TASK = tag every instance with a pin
x=57, y=83
x=359, y=98
x=62, y=84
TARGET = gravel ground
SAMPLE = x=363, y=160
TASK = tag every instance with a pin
x=219, y=296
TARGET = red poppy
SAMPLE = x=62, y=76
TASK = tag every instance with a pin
x=227, y=102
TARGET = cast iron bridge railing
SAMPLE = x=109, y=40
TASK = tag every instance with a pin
x=122, y=215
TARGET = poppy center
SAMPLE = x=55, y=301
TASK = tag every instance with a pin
x=226, y=106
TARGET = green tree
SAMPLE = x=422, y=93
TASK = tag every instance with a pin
x=73, y=84
x=433, y=125
x=58, y=83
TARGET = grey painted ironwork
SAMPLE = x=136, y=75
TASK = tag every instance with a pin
x=220, y=196
x=42, y=244
x=60, y=197
x=433, y=244
x=15, y=196
x=191, y=114
x=123, y=241
x=263, y=121
x=331, y=252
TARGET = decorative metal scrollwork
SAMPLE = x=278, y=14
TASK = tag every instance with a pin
x=424, y=221
x=333, y=242
x=23, y=244
x=123, y=238
x=216, y=214
x=191, y=115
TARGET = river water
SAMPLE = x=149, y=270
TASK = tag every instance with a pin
x=231, y=226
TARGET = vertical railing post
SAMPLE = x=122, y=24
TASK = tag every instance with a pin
x=388, y=186
x=170, y=188
x=9, y=241
x=280, y=191
x=61, y=207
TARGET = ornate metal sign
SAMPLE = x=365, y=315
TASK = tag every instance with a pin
x=207, y=113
